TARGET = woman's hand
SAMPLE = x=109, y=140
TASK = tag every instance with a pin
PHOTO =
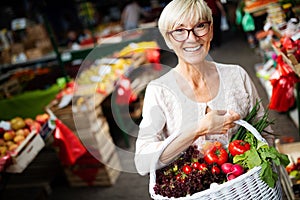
x=217, y=122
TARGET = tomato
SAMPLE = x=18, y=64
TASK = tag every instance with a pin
x=216, y=155
x=186, y=169
x=202, y=167
x=178, y=177
x=238, y=147
x=196, y=165
x=215, y=170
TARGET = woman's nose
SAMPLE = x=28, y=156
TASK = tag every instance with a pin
x=192, y=36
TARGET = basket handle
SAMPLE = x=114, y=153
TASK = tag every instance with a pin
x=250, y=128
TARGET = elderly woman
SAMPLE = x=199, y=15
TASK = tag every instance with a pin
x=198, y=100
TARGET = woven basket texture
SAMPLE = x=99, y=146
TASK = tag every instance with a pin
x=248, y=186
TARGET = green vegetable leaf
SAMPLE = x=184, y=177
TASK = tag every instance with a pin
x=253, y=159
x=250, y=138
x=249, y=159
x=241, y=159
x=267, y=175
x=260, y=153
x=266, y=153
x=283, y=158
x=261, y=145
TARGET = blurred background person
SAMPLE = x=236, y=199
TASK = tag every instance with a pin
x=217, y=12
x=131, y=15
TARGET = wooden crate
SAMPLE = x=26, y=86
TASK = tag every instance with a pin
x=84, y=120
x=10, y=88
x=88, y=123
x=33, y=53
x=26, y=152
x=89, y=136
x=291, y=189
x=99, y=140
x=83, y=114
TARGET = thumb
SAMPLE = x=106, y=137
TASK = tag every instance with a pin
x=233, y=115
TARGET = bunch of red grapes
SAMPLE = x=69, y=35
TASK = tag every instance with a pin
x=187, y=175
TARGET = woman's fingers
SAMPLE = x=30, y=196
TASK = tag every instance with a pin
x=231, y=117
x=221, y=121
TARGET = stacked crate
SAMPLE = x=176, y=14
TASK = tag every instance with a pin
x=10, y=88
x=100, y=165
x=37, y=42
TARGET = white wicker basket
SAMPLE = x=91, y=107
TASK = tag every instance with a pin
x=247, y=186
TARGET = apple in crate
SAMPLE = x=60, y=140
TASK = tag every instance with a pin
x=9, y=135
x=3, y=150
x=2, y=142
x=19, y=138
x=12, y=147
x=26, y=132
x=35, y=126
x=17, y=123
x=28, y=121
x=42, y=118
x=20, y=132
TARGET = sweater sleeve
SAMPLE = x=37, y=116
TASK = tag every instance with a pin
x=149, y=145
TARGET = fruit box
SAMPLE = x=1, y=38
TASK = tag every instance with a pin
x=26, y=152
x=291, y=188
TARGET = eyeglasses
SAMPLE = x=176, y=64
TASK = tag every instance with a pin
x=182, y=34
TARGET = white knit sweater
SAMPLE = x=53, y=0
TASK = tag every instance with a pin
x=167, y=110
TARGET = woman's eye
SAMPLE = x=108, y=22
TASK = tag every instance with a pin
x=179, y=30
x=201, y=25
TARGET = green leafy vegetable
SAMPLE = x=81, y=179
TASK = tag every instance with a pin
x=248, y=160
x=262, y=155
x=267, y=175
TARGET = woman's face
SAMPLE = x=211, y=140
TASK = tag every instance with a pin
x=189, y=47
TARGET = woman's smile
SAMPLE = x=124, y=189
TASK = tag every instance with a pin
x=192, y=49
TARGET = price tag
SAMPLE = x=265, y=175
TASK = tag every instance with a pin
x=267, y=26
x=19, y=24
x=296, y=36
x=66, y=56
x=5, y=125
x=66, y=99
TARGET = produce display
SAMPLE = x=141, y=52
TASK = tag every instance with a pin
x=293, y=170
x=16, y=131
x=257, y=5
x=289, y=48
x=293, y=175
x=105, y=71
x=290, y=175
x=199, y=169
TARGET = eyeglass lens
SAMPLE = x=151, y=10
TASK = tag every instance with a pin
x=198, y=30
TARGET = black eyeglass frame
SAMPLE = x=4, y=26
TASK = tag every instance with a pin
x=190, y=30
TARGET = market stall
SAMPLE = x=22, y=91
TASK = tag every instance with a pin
x=87, y=111
x=278, y=44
